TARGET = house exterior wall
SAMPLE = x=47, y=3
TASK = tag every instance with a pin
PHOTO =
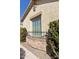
x=49, y=12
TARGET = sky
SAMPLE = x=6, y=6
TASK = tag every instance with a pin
x=23, y=6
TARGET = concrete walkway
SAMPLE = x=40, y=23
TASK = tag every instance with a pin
x=40, y=54
x=28, y=54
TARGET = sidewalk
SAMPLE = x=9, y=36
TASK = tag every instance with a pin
x=40, y=54
x=28, y=54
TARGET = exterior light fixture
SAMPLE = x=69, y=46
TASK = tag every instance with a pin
x=34, y=8
x=34, y=5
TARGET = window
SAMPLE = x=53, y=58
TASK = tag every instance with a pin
x=36, y=26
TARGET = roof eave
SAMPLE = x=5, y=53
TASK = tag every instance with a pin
x=27, y=10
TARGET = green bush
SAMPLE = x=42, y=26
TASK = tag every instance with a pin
x=53, y=38
x=23, y=33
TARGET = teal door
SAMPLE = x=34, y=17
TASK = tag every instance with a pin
x=36, y=25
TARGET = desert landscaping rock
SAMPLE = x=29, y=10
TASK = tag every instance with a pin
x=22, y=53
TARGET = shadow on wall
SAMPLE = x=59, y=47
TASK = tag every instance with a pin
x=45, y=1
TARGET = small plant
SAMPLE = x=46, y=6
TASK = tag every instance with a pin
x=23, y=33
x=53, y=38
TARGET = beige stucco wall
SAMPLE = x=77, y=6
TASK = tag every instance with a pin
x=49, y=12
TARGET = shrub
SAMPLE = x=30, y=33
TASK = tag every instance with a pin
x=53, y=38
x=23, y=33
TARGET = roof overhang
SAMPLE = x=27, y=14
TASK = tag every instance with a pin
x=32, y=2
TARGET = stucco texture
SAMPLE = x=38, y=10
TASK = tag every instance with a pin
x=49, y=12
